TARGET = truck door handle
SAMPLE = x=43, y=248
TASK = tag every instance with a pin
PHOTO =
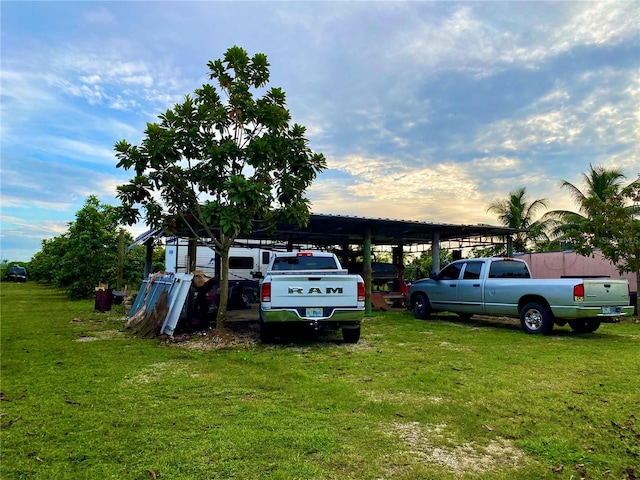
x=453, y=285
x=476, y=284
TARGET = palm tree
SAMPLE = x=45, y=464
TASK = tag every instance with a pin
x=517, y=212
x=601, y=185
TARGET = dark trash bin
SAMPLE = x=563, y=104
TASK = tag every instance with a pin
x=104, y=299
x=118, y=297
x=634, y=302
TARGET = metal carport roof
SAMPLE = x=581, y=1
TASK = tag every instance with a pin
x=326, y=230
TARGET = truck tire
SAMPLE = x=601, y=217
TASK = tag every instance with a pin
x=420, y=306
x=351, y=335
x=536, y=318
x=584, y=326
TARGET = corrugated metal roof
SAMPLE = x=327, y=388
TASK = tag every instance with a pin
x=144, y=237
x=340, y=229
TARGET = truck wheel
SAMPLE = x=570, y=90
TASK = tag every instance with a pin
x=420, y=306
x=536, y=318
x=584, y=326
x=351, y=335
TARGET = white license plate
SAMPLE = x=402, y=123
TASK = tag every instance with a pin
x=611, y=310
x=314, y=312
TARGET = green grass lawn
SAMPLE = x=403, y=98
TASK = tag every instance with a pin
x=433, y=399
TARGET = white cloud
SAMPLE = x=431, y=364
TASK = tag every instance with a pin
x=605, y=116
x=469, y=39
x=598, y=23
x=90, y=152
x=28, y=203
x=496, y=164
x=387, y=185
x=99, y=16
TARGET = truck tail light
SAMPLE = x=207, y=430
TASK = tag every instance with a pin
x=265, y=292
x=578, y=293
x=361, y=292
x=304, y=254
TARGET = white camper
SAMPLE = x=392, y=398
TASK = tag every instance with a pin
x=245, y=264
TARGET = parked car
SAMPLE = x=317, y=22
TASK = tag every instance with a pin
x=505, y=287
x=16, y=273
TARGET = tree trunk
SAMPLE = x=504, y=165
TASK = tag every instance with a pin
x=637, y=289
x=224, y=283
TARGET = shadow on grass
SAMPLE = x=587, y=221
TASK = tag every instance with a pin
x=504, y=323
x=300, y=334
x=513, y=324
x=247, y=329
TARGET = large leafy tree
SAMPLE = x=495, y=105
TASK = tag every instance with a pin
x=516, y=211
x=615, y=228
x=600, y=185
x=223, y=162
x=87, y=253
x=421, y=266
x=609, y=219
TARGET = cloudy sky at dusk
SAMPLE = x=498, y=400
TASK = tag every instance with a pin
x=424, y=110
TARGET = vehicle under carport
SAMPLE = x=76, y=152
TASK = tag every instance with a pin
x=344, y=234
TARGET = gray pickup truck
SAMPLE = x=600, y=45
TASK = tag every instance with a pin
x=504, y=287
x=312, y=289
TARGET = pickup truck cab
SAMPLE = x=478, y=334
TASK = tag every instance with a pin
x=311, y=288
x=504, y=287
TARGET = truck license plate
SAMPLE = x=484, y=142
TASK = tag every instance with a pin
x=611, y=310
x=314, y=312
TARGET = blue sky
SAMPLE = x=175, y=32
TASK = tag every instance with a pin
x=424, y=110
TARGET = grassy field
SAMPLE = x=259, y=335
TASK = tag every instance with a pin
x=434, y=399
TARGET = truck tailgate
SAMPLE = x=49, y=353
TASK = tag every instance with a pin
x=290, y=291
x=603, y=292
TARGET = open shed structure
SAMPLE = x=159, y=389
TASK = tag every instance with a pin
x=347, y=234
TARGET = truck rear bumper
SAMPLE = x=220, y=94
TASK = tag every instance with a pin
x=339, y=315
x=604, y=314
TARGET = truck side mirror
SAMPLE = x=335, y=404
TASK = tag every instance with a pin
x=433, y=276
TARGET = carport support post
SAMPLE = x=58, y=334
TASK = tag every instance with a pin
x=366, y=269
x=435, y=251
x=192, y=252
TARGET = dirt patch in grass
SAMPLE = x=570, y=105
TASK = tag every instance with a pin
x=401, y=398
x=428, y=444
x=159, y=371
x=237, y=334
x=214, y=339
x=244, y=333
x=103, y=335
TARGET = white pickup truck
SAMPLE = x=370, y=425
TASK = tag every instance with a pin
x=504, y=287
x=310, y=288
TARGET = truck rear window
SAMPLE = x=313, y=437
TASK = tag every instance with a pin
x=304, y=263
x=508, y=269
